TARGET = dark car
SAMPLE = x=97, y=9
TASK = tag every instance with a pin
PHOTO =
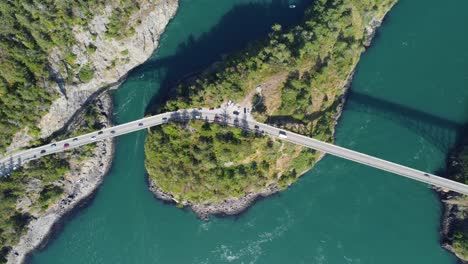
x=100, y=133
x=140, y=124
x=425, y=174
x=245, y=110
x=66, y=145
x=112, y=131
x=164, y=119
x=43, y=151
x=236, y=112
x=256, y=127
x=216, y=118
x=53, y=145
x=75, y=139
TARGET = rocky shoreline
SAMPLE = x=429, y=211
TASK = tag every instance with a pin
x=79, y=183
x=231, y=206
x=451, y=217
x=454, y=205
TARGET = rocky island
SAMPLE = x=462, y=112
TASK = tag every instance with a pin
x=295, y=79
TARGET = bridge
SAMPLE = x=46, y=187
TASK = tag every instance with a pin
x=233, y=118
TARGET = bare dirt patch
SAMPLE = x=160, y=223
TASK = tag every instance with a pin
x=247, y=102
x=271, y=91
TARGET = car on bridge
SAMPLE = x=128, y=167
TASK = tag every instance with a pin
x=43, y=151
x=93, y=138
x=100, y=132
x=112, y=132
x=75, y=139
x=53, y=145
x=140, y=124
x=66, y=145
x=282, y=134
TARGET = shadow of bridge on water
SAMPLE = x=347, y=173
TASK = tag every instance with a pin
x=441, y=132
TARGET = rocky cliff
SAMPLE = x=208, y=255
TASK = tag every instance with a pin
x=79, y=183
x=110, y=60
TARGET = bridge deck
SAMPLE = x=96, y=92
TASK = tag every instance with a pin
x=15, y=160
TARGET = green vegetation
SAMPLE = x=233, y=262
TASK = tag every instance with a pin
x=49, y=195
x=457, y=169
x=86, y=73
x=91, y=48
x=200, y=162
x=310, y=63
x=41, y=183
x=118, y=26
x=30, y=31
x=460, y=244
x=124, y=52
x=46, y=171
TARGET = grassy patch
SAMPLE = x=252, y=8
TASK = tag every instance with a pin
x=86, y=73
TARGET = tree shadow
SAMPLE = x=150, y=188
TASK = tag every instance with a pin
x=242, y=25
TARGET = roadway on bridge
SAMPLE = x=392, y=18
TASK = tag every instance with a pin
x=225, y=115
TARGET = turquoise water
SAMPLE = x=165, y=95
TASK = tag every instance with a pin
x=407, y=100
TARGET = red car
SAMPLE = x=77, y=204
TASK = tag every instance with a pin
x=216, y=118
x=66, y=145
